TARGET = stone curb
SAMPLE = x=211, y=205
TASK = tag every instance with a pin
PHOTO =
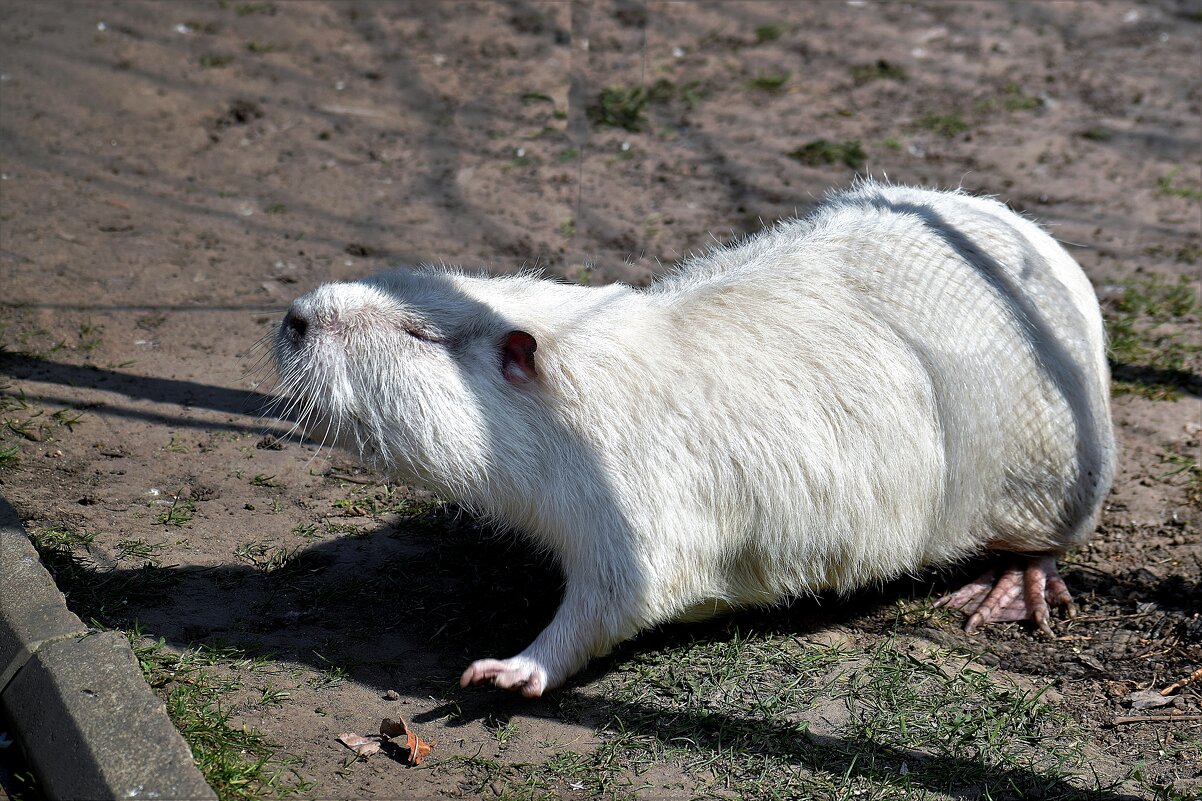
x=75, y=699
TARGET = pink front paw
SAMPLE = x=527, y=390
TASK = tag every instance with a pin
x=518, y=673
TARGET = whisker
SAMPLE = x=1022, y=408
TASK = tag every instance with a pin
x=261, y=353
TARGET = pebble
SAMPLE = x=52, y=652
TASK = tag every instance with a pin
x=392, y=695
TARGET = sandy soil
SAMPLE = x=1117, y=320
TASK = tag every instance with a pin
x=173, y=174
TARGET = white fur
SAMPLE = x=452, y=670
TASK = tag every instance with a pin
x=902, y=379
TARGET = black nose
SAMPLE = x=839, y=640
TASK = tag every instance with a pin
x=295, y=325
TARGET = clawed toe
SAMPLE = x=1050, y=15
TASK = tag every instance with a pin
x=970, y=596
x=1021, y=592
x=517, y=673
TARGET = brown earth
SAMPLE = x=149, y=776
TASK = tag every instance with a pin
x=173, y=174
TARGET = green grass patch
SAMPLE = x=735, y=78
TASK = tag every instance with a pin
x=1185, y=470
x=30, y=428
x=270, y=695
x=98, y=596
x=1014, y=99
x=770, y=81
x=1152, y=332
x=1185, y=254
x=67, y=418
x=620, y=107
x=136, y=548
x=267, y=558
x=30, y=422
x=821, y=151
x=88, y=337
x=337, y=529
x=248, y=9
x=876, y=71
x=36, y=342
x=625, y=153
x=1097, y=133
x=176, y=445
x=306, y=531
x=949, y=125
x=331, y=677
x=692, y=93
x=12, y=402
x=179, y=513
x=771, y=717
x=237, y=761
x=535, y=98
x=381, y=499
x=63, y=539
x=768, y=33
x=1165, y=185
x=212, y=61
x=626, y=106
x=264, y=480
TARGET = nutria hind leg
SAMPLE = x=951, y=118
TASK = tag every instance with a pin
x=1022, y=590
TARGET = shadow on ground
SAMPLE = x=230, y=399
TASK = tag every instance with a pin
x=406, y=607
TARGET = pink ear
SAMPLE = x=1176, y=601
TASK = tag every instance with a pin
x=517, y=357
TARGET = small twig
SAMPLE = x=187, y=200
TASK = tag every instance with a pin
x=1150, y=653
x=350, y=479
x=1177, y=685
x=1083, y=566
x=351, y=111
x=1155, y=648
x=1155, y=719
x=1109, y=617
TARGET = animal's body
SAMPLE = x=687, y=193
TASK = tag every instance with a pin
x=902, y=379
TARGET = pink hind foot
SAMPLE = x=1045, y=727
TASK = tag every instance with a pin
x=1018, y=593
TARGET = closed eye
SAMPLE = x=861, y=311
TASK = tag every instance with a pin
x=423, y=335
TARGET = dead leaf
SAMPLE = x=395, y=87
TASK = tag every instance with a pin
x=395, y=728
x=1147, y=699
x=362, y=746
x=396, y=735
x=418, y=748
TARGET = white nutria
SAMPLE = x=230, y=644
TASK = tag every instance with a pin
x=904, y=378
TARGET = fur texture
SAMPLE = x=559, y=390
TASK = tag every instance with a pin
x=902, y=379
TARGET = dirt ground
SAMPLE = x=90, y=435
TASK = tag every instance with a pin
x=173, y=174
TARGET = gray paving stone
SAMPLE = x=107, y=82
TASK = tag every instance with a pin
x=32, y=611
x=92, y=727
